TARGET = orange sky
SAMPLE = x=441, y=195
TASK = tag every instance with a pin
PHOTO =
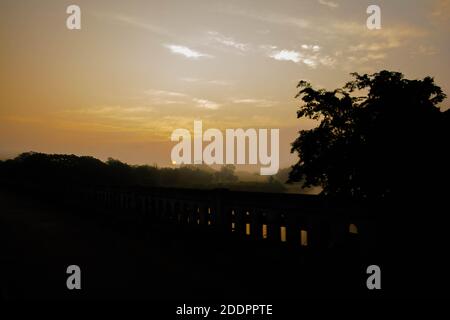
x=137, y=70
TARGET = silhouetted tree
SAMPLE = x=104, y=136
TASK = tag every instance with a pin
x=40, y=169
x=389, y=141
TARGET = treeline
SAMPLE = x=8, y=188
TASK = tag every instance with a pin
x=61, y=169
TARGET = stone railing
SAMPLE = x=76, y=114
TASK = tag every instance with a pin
x=306, y=221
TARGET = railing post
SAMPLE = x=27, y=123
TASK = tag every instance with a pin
x=292, y=229
x=203, y=215
x=239, y=221
x=273, y=227
x=255, y=226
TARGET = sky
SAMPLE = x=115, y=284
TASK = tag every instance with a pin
x=138, y=70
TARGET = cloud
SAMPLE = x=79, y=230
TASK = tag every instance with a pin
x=314, y=48
x=113, y=110
x=163, y=93
x=201, y=81
x=191, y=80
x=329, y=4
x=312, y=60
x=279, y=19
x=441, y=8
x=368, y=57
x=171, y=97
x=391, y=37
x=267, y=47
x=286, y=55
x=115, y=113
x=187, y=52
x=206, y=104
x=138, y=24
x=351, y=39
x=426, y=50
x=441, y=12
x=228, y=41
x=359, y=45
x=290, y=21
x=263, y=103
x=162, y=97
x=220, y=82
x=327, y=61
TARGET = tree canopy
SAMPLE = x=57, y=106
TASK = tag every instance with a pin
x=380, y=135
x=72, y=170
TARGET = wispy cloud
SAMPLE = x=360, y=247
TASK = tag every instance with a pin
x=163, y=93
x=186, y=52
x=263, y=103
x=366, y=47
x=357, y=45
x=202, y=81
x=279, y=19
x=220, y=82
x=441, y=9
x=426, y=50
x=267, y=47
x=113, y=110
x=191, y=80
x=314, y=48
x=330, y=4
x=114, y=113
x=228, y=41
x=394, y=36
x=138, y=23
x=369, y=57
x=162, y=97
x=206, y=104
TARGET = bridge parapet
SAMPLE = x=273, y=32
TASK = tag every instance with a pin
x=305, y=221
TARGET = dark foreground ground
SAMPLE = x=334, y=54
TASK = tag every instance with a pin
x=127, y=261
